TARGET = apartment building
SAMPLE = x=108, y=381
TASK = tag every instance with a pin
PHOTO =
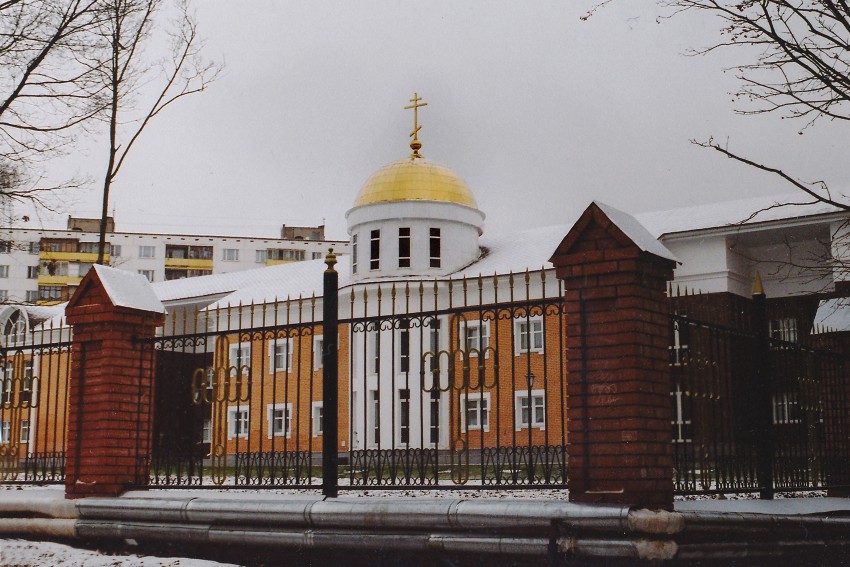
x=45, y=266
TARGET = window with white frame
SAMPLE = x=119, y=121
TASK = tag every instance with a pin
x=260, y=256
x=404, y=347
x=404, y=247
x=230, y=254
x=530, y=410
x=280, y=355
x=240, y=357
x=375, y=250
x=31, y=295
x=279, y=417
x=475, y=336
x=34, y=247
x=353, y=253
x=528, y=335
x=6, y=431
x=375, y=340
x=786, y=408
x=25, y=431
x=403, y=396
x=32, y=272
x=434, y=247
x=682, y=425
x=147, y=252
x=148, y=274
x=4, y=271
x=237, y=422
x=317, y=415
x=206, y=431
x=4, y=294
x=784, y=329
x=679, y=348
x=7, y=385
x=317, y=255
x=374, y=418
x=475, y=411
x=434, y=407
x=318, y=346
x=115, y=250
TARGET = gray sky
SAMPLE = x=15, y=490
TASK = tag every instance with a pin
x=538, y=111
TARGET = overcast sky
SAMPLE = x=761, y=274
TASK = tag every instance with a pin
x=538, y=111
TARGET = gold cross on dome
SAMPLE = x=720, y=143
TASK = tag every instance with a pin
x=415, y=144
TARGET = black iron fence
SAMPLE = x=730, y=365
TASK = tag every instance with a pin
x=440, y=384
x=34, y=372
x=754, y=408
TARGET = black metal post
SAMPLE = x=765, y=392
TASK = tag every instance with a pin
x=762, y=413
x=330, y=379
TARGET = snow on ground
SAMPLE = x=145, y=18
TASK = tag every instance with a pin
x=23, y=552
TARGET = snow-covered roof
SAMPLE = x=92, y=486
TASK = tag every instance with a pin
x=126, y=289
x=731, y=213
x=833, y=316
x=514, y=252
x=636, y=232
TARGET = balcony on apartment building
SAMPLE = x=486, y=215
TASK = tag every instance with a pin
x=183, y=261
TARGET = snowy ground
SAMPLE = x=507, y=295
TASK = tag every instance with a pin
x=50, y=554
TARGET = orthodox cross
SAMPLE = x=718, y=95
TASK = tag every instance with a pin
x=415, y=144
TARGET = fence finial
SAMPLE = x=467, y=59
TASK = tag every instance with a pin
x=758, y=289
x=330, y=259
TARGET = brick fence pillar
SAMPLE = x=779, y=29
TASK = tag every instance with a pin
x=110, y=392
x=618, y=395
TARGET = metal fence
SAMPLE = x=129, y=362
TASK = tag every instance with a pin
x=441, y=384
x=34, y=373
x=754, y=409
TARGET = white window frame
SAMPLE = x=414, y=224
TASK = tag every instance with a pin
x=32, y=272
x=786, y=408
x=373, y=434
x=206, y=431
x=31, y=295
x=4, y=294
x=147, y=251
x=233, y=431
x=271, y=409
x=234, y=360
x=533, y=332
x=5, y=431
x=115, y=250
x=229, y=254
x=25, y=431
x=481, y=341
x=536, y=395
x=317, y=417
x=354, y=253
x=483, y=413
x=281, y=348
x=403, y=350
x=318, y=344
x=679, y=421
x=4, y=271
x=399, y=413
x=149, y=274
x=261, y=256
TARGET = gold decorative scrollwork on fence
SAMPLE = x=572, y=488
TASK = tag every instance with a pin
x=219, y=385
x=476, y=366
x=18, y=395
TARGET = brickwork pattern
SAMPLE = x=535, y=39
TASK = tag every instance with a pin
x=618, y=392
x=109, y=398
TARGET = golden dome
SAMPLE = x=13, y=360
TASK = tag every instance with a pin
x=415, y=179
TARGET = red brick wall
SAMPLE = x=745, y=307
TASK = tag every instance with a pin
x=110, y=393
x=618, y=390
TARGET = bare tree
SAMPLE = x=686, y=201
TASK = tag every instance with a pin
x=801, y=69
x=125, y=31
x=47, y=92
